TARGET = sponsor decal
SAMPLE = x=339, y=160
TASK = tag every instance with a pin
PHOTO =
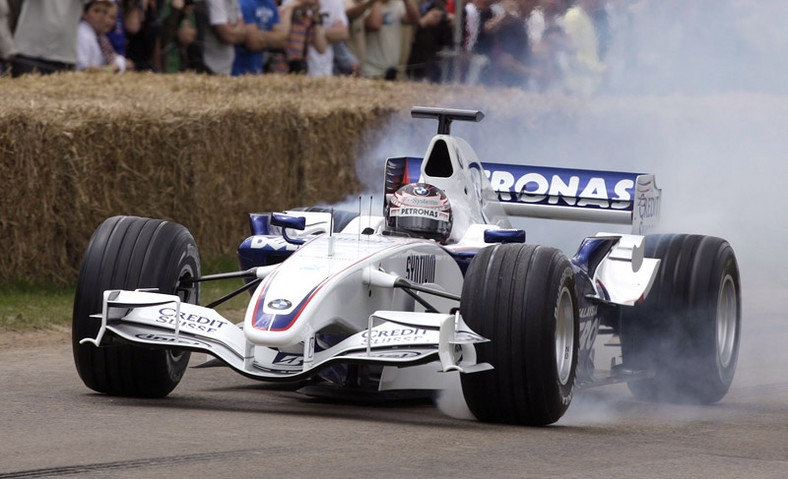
x=430, y=201
x=271, y=243
x=191, y=322
x=648, y=206
x=588, y=331
x=429, y=213
x=420, y=268
x=279, y=304
x=421, y=191
x=588, y=311
x=398, y=336
x=288, y=359
x=170, y=339
x=567, y=190
x=396, y=354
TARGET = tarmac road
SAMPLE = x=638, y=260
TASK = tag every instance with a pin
x=219, y=424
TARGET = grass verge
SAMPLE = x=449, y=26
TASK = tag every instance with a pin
x=26, y=307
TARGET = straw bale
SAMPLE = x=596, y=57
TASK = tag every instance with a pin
x=204, y=151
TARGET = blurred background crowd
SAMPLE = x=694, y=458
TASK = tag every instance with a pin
x=572, y=46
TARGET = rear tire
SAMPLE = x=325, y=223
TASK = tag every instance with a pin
x=523, y=298
x=127, y=253
x=687, y=330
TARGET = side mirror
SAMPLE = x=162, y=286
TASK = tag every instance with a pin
x=287, y=221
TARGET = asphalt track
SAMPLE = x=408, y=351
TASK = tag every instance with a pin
x=219, y=424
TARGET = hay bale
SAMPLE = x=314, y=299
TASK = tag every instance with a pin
x=204, y=151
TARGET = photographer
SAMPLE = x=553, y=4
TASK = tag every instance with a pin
x=434, y=32
x=334, y=22
x=304, y=24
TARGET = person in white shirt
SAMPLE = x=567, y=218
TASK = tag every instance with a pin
x=220, y=26
x=384, y=36
x=46, y=36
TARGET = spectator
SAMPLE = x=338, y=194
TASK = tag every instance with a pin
x=384, y=36
x=306, y=33
x=434, y=32
x=345, y=63
x=479, y=42
x=143, y=28
x=46, y=36
x=97, y=19
x=586, y=70
x=117, y=35
x=512, y=49
x=110, y=22
x=264, y=32
x=7, y=47
x=357, y=11
x=220, y=26
x=551, y=46
x=178, y=37
x=334, y=22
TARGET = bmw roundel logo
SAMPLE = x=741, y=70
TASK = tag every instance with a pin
x=420, y=190
x=279, y=304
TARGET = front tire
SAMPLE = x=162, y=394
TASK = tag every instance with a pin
x=523, y=298
x=127, y=253
x=687, y=330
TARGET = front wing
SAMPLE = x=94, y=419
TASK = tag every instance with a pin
x=393, y=338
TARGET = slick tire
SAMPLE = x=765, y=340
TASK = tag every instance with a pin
x=524, y=300
x=127, y=253
x=687, y=330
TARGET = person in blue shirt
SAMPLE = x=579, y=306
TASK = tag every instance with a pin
x=265, y=32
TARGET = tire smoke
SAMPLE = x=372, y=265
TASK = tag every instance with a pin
x=700, y=100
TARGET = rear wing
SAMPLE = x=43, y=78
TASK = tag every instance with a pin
x=558, y=193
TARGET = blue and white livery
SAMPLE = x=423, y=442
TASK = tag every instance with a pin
x=359, y=305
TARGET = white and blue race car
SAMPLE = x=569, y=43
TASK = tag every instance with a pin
x=436, y=291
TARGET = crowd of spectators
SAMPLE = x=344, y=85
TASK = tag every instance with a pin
x=539, y=45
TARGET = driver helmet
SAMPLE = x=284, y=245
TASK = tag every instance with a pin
x=421, y=210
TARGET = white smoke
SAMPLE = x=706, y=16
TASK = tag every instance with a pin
x=701, y=100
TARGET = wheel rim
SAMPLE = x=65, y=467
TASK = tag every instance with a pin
x=564, y=336
x=727, y=318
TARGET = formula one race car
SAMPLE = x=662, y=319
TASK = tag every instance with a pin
x=437, y=291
